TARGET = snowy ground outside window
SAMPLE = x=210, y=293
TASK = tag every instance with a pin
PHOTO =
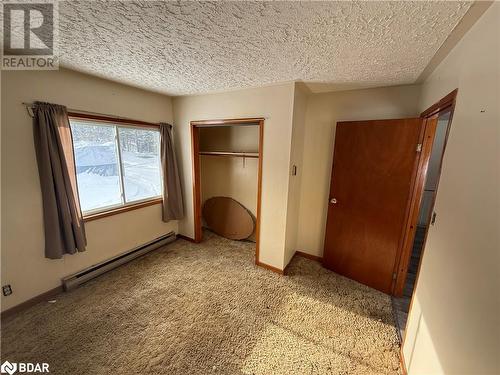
x=97, y=165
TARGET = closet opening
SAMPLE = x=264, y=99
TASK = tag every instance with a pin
x=422, y=215
x=227, y=177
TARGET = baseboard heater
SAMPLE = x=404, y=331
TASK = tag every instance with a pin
x=72, y=281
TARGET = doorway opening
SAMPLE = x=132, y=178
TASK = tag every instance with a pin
x=227, y=166
x=422, y=215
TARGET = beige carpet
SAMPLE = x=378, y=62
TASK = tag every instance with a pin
x=206, y=309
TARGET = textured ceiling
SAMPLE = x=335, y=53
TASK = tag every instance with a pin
x=182, y=48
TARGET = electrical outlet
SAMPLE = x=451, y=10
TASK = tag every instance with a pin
x=7, y=290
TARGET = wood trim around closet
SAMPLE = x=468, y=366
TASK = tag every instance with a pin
x=227, y=122
x=195, y=154
x=195, y=146
x=259, y=190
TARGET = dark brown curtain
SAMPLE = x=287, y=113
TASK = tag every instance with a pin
x=173, y=208
x=63, y=222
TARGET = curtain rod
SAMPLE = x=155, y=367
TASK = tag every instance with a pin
x=30, y=106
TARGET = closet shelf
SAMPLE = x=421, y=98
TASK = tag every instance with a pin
x=231, y=154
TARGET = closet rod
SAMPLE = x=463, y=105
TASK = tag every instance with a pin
x=234, y=154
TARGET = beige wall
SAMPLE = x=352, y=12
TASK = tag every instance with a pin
x=230, y=177
x=239, y=138
x=23, y=263
x=323, y=112
x=275, y=104
x=454, y=324
x=295, y=183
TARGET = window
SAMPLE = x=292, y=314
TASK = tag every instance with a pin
x=116, y=165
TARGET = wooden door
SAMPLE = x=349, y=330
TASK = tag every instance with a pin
x=374, y=167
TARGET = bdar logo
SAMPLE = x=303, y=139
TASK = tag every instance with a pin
x=8, y=368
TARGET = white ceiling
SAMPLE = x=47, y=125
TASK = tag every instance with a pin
x=180, y=48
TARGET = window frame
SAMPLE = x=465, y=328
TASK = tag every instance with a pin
x=118, y=122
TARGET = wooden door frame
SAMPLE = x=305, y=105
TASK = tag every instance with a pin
x=195, y=155
x=430, y=115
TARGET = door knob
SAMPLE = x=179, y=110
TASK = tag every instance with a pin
x=333, y=201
